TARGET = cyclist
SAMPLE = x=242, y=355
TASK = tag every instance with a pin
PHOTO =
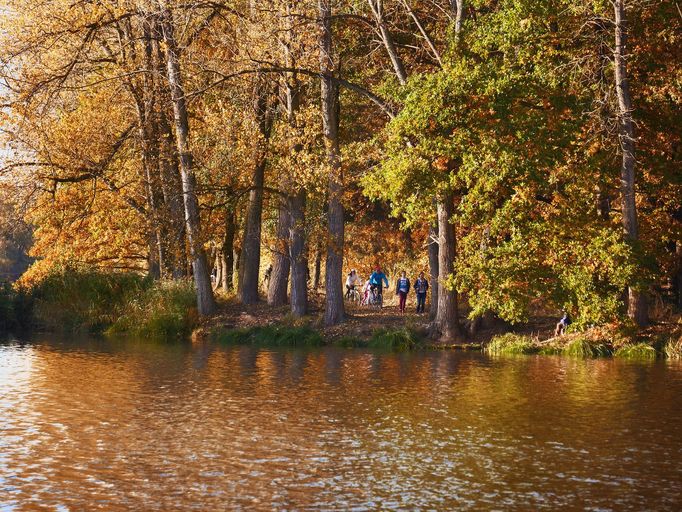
x=376, y=282
x=351, y=281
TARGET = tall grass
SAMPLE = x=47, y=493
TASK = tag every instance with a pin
x=511, y=343
x=636, y=351
x=71, y=300
x=74, y=300
x=673, y=348
x=584, y=348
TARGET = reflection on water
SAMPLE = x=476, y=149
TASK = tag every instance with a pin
x=138, y=426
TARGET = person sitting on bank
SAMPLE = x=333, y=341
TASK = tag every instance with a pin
x=402, y=288
x=562, y=325
x=421, y=286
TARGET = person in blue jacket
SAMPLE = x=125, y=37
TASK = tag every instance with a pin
x=377, y=280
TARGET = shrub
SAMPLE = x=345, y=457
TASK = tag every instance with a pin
x=511, y=343
x=636, y=351
x=167, y=309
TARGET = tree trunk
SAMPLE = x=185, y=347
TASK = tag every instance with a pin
x=446, y=325
x=334, y=307
x=202, y=280
x=377, y=10
x=637, y=304
x=297, y=253
x=227, y=251
x=317, y=270
x=279, y=277
x=168, y=167
x=249, y=268
x=433, y=268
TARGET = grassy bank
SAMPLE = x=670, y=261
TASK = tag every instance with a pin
x=306, y=336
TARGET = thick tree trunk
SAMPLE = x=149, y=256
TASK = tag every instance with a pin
x=202, y=280
x=227, y=251
x=279, y=278
x=432, y=241
x=637, y=304
x=446, y=324
x=249, y=269
x=334, y=308
x=297, y=253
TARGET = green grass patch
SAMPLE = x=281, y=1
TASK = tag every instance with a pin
x=269, y=335
x=584, y=348
x=640, y=351
x=511, y=343
x=396, y=339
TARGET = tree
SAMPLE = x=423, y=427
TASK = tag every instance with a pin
x=202, y=280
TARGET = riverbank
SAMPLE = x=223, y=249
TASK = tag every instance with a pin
x=76, y=301
x=371, y=327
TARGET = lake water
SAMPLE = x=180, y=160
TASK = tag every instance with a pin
x=93, y=424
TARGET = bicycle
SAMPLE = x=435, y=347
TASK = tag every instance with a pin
x=353, y=295
x=376, y=299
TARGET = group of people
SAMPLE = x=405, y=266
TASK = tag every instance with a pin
x=374, y=287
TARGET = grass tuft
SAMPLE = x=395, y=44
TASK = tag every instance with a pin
x=396, y=339
x=511, y=343
x=640, y=351
x=584, y=348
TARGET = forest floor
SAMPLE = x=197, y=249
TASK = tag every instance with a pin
x=361, y=321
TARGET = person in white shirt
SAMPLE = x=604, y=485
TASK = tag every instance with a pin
x=351, y=281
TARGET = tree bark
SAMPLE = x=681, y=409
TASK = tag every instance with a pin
x=279, y=278
x=169, y=171
x=317, y=270
x=334, y=308
x=202, y=280
x=637, y=304
x=297, y=254
x=432, y=241
x=446, y=325
x=249, y=269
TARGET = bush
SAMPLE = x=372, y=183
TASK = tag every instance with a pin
x=272, y=335
x=167, y=309
x=636, y=351
x=584, y=348
x=511, y=343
